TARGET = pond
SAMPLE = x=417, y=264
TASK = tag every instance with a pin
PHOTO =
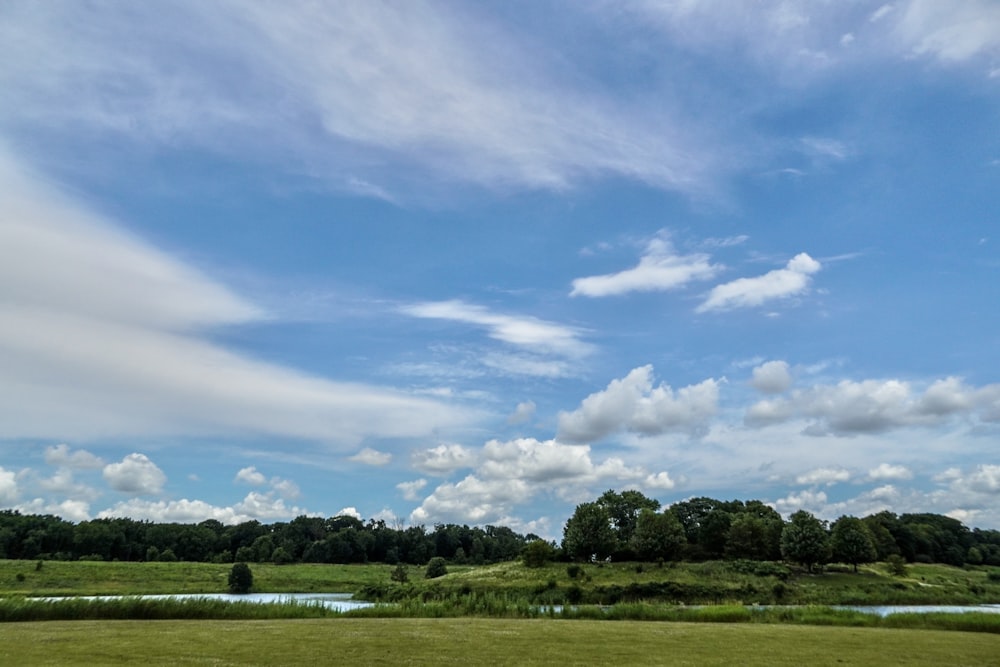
x=885, y=610
x=335, y=601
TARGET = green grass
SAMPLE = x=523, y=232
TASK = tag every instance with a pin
x=104, y=578
x=479, y=642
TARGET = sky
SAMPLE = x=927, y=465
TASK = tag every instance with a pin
x=476, y=263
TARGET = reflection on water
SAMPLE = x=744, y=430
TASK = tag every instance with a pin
x=335, y=601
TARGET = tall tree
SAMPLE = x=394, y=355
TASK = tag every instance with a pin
x=852, y=541
x=805, y=540
x=657, y=535
x=588, y=532
x=624, y=509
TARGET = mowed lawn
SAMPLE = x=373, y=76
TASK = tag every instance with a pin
x=475, y=641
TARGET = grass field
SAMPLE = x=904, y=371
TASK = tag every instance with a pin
x=479, y=642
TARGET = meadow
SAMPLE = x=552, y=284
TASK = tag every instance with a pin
x=473, y=641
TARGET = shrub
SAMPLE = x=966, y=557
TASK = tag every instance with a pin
x=897, y=566
x=436, y=568
x=573, y=571
x=240, y=578
x=400, y=573
x=537, y=553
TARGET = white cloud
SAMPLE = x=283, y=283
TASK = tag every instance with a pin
x=811, y=501
x=314, y=84
x=8, y=487
x=285, y=488
x=250, y=475
x=62, y=456
x=135, y=475
x=772, y=377
x=660, y=268
x=63, y=483
x=825, y=148
x=411, y=490
x=792, y=280
x=443, y=459
x=874, y=406
x=880, y=13
x=633, y=404
x=136, y=366
x=889, y=471
x=524, y=412
x=70, y=509
x=952, y=32
x=371, y=457
x=527, y=332
x=349, y=511
x=510, y=474
x=827, y=476
x=255, y=507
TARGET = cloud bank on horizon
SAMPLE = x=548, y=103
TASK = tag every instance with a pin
x=451, y=262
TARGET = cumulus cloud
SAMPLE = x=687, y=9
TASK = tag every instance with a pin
x=524, y=412
x=875, y=406
x=633, y=404
x=888, y=471
x=411, y=490
x=527, y=332
x=69, y=509
x=80, y=459
x=8, y=487
x=255, y=507
x=790, y=281
x=660, y=268
x=772, y=377
x=811, y=501
x=137, y=364
x=825, y=476
x=371, y=457
x=511, y=473
x=443, y=459
x=250, y=475
x=135, y=475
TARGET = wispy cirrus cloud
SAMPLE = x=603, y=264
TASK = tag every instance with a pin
x=102, y=334
x=790, y=281
x=520, y=331
x=660, y=268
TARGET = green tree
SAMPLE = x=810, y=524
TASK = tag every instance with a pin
x=747, y=538
x=537, y=553
x=657, y=535
x=588, y=532
x=436, y=567
x=624, y=509
x=805, y=540
x=240, y=578
x=400, y=573
x=852, y=542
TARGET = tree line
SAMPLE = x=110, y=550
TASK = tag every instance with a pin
x=631, y=526
x=621, y=526
x=305, y=539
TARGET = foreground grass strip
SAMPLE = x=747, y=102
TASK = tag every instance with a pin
x=479, y=642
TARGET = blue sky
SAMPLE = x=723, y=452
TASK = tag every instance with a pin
x=479, y=262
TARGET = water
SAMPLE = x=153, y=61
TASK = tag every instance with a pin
x=334, y=601
x=886, y=610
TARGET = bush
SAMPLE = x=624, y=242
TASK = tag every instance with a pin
x=436, y=568
x=573, y=571
x=240, y=578
x=537, y=553
x=400, y=573
x=897, y=566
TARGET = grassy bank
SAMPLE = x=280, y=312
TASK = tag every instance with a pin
x=717, y=582
x=479, y=642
